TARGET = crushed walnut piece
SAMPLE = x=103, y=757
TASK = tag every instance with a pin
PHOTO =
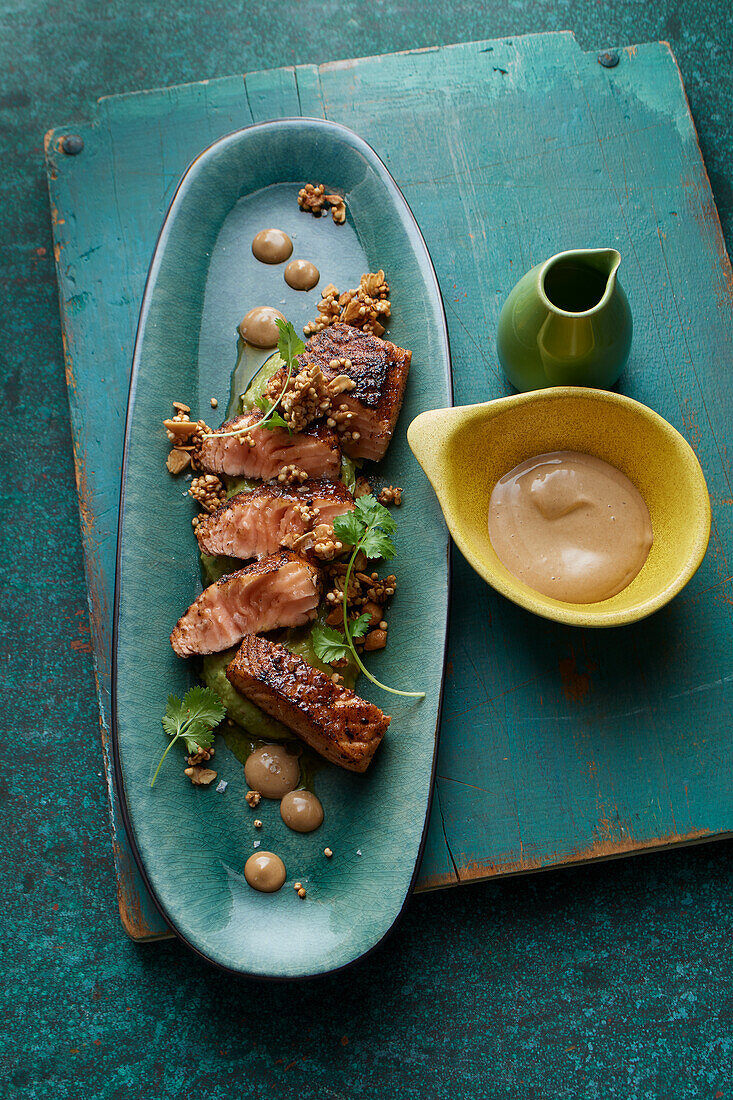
x=200, y=777
x=363, y=488
x=309, y=395
x=208, y=492
x=313, y=199
x=338, y=208
x=177, y=461
x=367, y=594
x=185, y=435
x=253, y=799
x=201, y=756
x=329, y=311
x=365, y=307
x=391, y=494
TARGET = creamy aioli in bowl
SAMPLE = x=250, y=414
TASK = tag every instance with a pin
x=570, y=526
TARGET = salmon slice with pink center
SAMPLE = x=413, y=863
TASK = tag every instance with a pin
x=282, y=590
x=315, y=451
x=331, y=718
x=253, y=525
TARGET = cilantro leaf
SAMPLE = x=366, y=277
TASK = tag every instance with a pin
x=374, y=514
x=329, y=645
x=359, y=627
x=289, y=345
x=377, y=544
x=348, y=528
x=204, y=705
x=191, y=719
x=274, y=420
x=369, y=528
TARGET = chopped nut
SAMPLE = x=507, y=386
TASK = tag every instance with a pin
x=253, y=799
x=177, y=461
x=257, y=823
x=375, y=639
x=214, y=403
x=338, y=208
x=297, y=886
x=200, y=777
x=391, y=494
x=181, y=429
x=312, y=198
x=180, y=407
x=327, y=853
x=301, y=892
x=201, y=755
x=374, y=611
x=364, y=307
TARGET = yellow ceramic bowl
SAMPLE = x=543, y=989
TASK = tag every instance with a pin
x=464, y=452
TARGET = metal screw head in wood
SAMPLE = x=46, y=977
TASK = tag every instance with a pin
x=609, y=59
x=72, y=145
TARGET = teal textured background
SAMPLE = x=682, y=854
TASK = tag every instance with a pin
x=603, y=982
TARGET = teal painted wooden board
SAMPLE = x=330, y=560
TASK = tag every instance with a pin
x=557, y=745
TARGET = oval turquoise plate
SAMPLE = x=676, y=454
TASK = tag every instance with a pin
x=192, y=843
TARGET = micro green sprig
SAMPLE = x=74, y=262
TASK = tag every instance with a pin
x=369, y=529
x=191, y=719
x=289, y=347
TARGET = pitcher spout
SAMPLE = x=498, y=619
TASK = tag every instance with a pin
x=579, y=281
x=567, y=322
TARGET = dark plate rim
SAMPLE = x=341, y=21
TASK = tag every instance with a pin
x=333, y=127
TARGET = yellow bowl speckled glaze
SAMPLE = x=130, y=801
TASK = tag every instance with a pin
x=465, y=450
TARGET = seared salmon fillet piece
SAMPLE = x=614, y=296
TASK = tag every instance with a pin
x=315, y=450
x=253, y=525
x=379, y=369
x=331, y=718
x=282, y=590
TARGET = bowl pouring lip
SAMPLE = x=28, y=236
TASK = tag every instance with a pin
x=441, y=425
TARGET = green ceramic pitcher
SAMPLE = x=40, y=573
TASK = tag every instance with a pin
x=567, y=322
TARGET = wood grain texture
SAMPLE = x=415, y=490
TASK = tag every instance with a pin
x=558, y=746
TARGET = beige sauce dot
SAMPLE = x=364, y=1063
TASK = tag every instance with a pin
x=570, y=526
x=301, y=274
x=272, y=246
x=265, y=871
x=258, y=327
x=301, y=811
x=272, y=771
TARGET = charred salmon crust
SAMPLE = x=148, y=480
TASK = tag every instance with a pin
x=282, y=590
x=379, y=370
x=315, y=450
x=258, y=523
x=332, y=719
